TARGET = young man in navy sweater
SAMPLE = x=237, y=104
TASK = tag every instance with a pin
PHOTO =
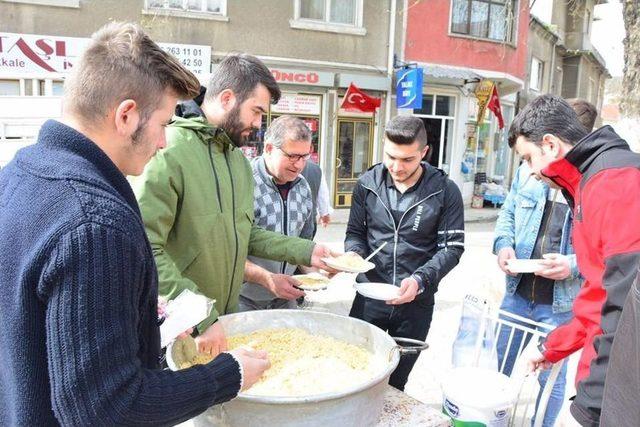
x=78, y=283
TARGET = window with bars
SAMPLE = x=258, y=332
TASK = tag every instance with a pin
x=343, y=12
x=487, y=19
x=215, y=7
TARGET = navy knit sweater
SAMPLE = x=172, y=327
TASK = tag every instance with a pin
x=78, y=296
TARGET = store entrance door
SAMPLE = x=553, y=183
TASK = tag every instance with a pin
x=440, y=140
x=353, y=157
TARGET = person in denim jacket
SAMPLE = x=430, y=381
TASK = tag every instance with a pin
x=535, y=222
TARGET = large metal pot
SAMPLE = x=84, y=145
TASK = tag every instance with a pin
x=359, y=405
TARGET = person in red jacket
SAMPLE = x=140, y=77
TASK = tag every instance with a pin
x=600, y=178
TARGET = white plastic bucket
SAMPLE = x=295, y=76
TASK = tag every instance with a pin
x=475, y=397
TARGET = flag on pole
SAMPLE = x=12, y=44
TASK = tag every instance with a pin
x=357, y=100
x=494, y=105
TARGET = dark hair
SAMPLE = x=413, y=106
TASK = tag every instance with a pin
x=405, y=130
x=242, y=73
x=122, y=62
x=586, y=112
x=547, y=114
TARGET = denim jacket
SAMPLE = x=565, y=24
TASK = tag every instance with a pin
x=518, y=226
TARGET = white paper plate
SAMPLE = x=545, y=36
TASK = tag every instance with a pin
x=525, y=265
x=322, y=282
x=380, y=291
x=334, y=263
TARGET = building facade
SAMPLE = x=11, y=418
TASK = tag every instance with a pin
x=561, y=58
x=314, y=48
x=458, y=43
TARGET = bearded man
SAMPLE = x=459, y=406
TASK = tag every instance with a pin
x=196, y=197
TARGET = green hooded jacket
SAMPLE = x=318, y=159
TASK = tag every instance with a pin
x=196, y=199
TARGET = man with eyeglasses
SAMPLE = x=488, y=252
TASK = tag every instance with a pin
x=283, y=202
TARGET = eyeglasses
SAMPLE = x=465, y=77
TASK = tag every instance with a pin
x=294, y=158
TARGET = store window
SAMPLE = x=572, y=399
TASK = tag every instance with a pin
x=57, y=88
x=468, y=165
x=444, y=105
x=427, y=106
x=488, y=19
x=9, y=87
x=353, y=148
x=502, y=150
x=475, y=158
x=487, y=156
x=29, y=87
x=306, y=107
x=483, y=147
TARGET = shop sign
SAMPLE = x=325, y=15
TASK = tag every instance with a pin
x=302, y=77
x=196, y=58
x=293, y=103
x=409, y=88
x=37, y=54
x=483, y=92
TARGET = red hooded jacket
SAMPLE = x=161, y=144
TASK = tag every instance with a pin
x=600, y=177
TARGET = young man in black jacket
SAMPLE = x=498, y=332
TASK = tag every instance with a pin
x=418, y=211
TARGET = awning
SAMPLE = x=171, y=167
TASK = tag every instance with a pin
x=506, y=83
x=448, y=75
x=460, y=76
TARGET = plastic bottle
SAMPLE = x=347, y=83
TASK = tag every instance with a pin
x=474, y=344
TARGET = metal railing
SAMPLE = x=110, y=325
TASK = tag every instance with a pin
x=522, y=332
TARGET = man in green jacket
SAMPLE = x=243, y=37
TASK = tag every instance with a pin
x=196, y=197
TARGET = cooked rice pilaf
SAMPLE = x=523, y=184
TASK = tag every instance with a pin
x=303, y=364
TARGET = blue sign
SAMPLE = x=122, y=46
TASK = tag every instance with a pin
x=409, y=88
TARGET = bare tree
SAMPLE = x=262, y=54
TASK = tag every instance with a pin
x=630, y=104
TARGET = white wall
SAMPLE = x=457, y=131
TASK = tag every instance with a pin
x=20, y=121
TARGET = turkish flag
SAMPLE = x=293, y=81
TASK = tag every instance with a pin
x=494, y=105
x=357, y=100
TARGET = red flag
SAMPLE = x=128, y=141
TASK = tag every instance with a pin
x=494, y=105
x=357, y=100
